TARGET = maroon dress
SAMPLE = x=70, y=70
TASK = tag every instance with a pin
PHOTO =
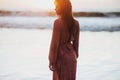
x=64, y=50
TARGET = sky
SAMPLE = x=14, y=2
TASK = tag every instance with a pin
x=43, y=5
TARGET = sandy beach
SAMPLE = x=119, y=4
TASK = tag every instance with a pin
x=24, y=55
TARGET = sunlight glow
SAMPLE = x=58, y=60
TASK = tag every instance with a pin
x=33, y=5
x=78, y=5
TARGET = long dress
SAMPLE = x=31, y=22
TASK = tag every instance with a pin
x=64, y=54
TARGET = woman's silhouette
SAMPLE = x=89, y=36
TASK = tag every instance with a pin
x=64, y=44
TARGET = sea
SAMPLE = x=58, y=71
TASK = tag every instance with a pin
x=25, y=43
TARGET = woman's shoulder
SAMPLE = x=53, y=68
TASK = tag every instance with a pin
x=77, y=23
x=57, y=24
x=57, y=21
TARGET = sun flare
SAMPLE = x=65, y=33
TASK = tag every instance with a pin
x=78, y=5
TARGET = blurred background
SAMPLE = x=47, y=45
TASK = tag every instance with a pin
x=26, y=30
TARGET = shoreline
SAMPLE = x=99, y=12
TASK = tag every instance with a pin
x=52, y=13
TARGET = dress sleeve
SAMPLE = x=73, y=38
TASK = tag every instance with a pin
x=54, y=43
x=76, y=40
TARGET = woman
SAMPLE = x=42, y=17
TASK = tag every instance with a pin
x=64, y=44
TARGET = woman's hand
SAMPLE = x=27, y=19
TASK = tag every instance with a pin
x=51, y=67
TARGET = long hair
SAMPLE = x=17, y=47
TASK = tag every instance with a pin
x=66, y=13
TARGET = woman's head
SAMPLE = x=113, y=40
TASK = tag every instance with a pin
x=63, y=8
x=64, y=11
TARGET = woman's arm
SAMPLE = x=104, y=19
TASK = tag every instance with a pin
x=54, y=44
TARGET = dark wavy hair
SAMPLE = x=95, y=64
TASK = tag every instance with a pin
x=66, y=13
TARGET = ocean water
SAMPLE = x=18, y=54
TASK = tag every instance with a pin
x=25, y=41
x=110, y=24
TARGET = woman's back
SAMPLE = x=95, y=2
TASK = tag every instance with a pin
x=67, y=40
x=65, y=36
